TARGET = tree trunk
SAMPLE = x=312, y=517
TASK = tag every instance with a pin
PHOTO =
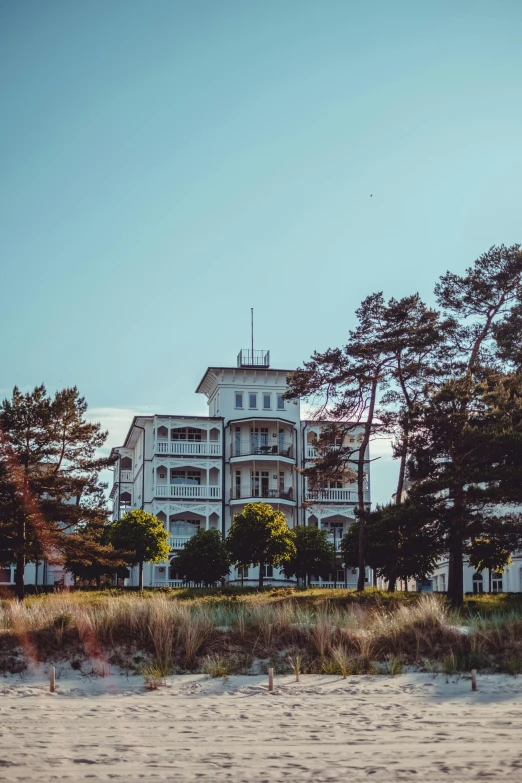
x=261, y=566
x=20, y=577
x=456, y=572
x=360, y=487
x=456, y=553
x=20, y=561
x=141, y=575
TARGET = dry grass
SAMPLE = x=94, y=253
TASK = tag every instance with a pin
x=325, y=632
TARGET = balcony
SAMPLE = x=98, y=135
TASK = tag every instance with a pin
x=249, y=447
x=208, y=492
x=340, y=495
x=126, y=475
x=178, y=542
x=312, y=451
x=243, y=491
x=195, y=448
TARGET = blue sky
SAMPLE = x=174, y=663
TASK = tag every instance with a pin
x=167, y=165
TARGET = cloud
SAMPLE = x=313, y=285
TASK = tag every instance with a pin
x=381, y=447
x=116, y=420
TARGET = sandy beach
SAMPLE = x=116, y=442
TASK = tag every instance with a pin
x=322, y=729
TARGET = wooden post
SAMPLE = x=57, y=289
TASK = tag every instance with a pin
x=271, y=680
x=473, y=679
x=51, y=679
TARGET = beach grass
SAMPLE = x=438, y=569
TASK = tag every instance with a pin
x=244, y=631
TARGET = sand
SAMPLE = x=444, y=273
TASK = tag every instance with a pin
x=405, y=728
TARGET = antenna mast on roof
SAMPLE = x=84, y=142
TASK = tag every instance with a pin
x=252, y=329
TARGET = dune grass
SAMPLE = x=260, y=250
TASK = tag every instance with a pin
x=232, y=631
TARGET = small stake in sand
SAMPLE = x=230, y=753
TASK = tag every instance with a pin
x=51, y=679
x=473, y=679
x=271, y=680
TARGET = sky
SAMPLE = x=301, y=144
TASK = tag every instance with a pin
x=167, y=165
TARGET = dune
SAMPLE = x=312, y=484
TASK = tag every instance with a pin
x=403, y=728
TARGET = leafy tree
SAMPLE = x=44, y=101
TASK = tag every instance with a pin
x=142, y=537
x=314, y=556
x=260, y=536
x=204, y=558
x=49, y=479
x=402, y=542
x=489, y=554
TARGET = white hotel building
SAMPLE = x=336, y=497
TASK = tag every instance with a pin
x=197, y=472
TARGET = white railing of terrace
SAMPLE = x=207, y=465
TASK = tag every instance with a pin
x=335, y=495
x=187, y=491
x=126, y=475
x=169, y=583
x=189, y=447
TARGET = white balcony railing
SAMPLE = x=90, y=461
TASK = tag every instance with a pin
x=187, y=491
x=335, y=495
x=311, y=452
x=189, y=447
x=126, y=475
x=178, y=542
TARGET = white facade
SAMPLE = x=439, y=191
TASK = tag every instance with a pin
x=198, y=471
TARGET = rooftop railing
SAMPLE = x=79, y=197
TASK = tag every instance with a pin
x=249, y=358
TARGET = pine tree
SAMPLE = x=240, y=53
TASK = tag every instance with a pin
x=49, y=481
x=466, y=445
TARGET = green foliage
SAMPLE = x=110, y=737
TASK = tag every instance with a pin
x=314, y=554
x=260, y=536
x=204, y=558
x=49, y=474
x=141, y=538
x=401, y=542
x=90, y=556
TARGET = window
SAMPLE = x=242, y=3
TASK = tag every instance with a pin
x=478, y=583
x=238, y=484
x=239, y=399
x=268, y=572
x=237, y=442
x=252, y=400
x=280, y=403
x=242, y=572
x=186, y=433
x=340, y=575
x=259, y=439
x=267, y=402
x=496, y=582
x=192, y=477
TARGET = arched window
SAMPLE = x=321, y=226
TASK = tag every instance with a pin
x=478, y=583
